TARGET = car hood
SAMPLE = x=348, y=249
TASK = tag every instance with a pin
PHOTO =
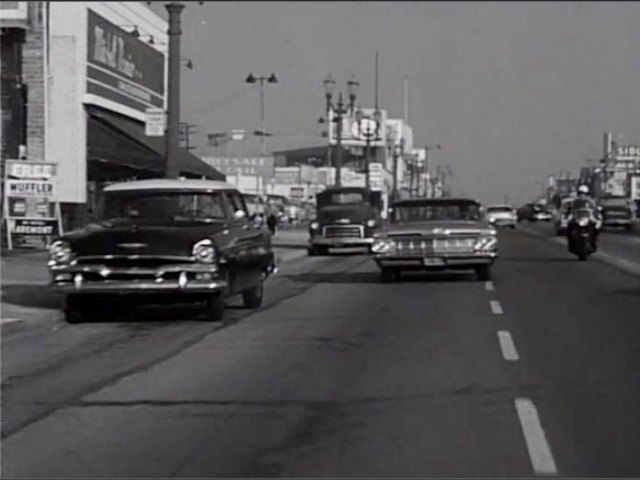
x=353, y=213
x=434, y=228
x=128, y=238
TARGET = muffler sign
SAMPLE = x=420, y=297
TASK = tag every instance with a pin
x=31, y=189
x=34, y=227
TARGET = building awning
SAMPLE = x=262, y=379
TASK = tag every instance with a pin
x=147, y=154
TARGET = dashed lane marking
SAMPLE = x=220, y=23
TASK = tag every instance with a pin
x=507, y=346
x=489, y=286
x=535, y=438
x=496, y=308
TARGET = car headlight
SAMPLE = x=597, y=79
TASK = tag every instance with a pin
x=583, y=221
x=204, y=251
x=371, y=223
x=492, y=219
x=486, y=244
x=314, y=225
x=60, y=252
x=383, y=245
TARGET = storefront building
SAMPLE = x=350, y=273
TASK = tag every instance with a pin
x=105, y=64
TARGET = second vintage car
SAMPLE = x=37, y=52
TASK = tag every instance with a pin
x=171, y=241
x=436, y=234
x=502, y=216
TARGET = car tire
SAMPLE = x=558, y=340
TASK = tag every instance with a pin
x=388, y=275
x=628, y=228
x=313, y=251
x=483, y=273
x=215, y=308
x=75, y=309
x=252, y=297
x=513, y=227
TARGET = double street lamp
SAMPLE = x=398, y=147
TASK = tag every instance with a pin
x=339, y=110
x=262, y=132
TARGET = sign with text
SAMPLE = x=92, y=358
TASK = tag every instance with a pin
x=34, y=226
x=375, y=176
x=31, y=189
x=122, y=68
x=354, y=133
x=155, y=122
x=250, y=166
x=632, y=151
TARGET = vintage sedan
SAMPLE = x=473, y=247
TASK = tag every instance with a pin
x=502, y=215
x=436, y=234
x=166, y=240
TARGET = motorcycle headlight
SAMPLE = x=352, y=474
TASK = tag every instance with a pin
x=583, y=221
x=204, y=251
x=60, y=252
x=383, y=245
x=315, y=225
x=371, y=223
x=486, y=244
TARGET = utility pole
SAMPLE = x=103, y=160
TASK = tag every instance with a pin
x=172, y=169
x=186, y=129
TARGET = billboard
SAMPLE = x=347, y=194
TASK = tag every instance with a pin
x=250, y=166
x=122, y=68
x=354, y=133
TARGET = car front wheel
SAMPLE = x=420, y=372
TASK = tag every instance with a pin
x=483, y=273
x=76, y=309
x=252, y=297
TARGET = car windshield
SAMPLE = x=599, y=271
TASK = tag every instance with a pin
x=499, y=210
x=346, y=198
x=434, y=212
x=150, y=207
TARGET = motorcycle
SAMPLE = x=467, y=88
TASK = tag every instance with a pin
x=582, y=229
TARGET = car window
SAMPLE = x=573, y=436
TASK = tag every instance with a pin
x=235, y=202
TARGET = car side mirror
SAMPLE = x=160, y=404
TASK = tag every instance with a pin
x=239, y=215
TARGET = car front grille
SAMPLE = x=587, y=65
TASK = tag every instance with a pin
x=433, y=246
x=131, y=261
x=344, y=231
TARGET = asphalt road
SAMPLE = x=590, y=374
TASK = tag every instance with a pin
x=339, y=375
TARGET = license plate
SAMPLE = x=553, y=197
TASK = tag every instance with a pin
x=432, y=261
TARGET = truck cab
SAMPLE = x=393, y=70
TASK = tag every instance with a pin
x=346, y=219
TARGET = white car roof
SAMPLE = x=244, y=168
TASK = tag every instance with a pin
x=170, y=184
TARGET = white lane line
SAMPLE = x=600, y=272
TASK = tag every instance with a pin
x=496, y=308
x=507, y=346
x=534, y=436
x=489, y=286
x=9, y=320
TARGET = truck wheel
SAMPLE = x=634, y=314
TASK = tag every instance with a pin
x=388, y=275
x=483, y=273
x=252, y=297
x=215, y=308
x=75, y=309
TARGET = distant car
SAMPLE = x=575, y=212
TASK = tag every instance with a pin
x=617, y=212
x=502, y=215
x=541, y=214
x=172, y=241
x=435, y=234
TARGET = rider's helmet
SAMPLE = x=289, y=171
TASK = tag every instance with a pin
x=583, y=189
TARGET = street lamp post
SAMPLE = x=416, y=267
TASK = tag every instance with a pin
x=398, y=150
x=172, y=170
x=261, y=79
x=339, y=111
x=369, y=133
x=427, y=149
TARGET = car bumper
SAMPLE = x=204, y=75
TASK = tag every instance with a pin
x=99, y=280
x=340, y=242
x=503, y=222
x=436, y=263
x=617, y=222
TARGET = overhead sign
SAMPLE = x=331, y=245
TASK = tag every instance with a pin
x=155, y=122
x=250, y=166
x=122, y=68
x=31, y=189
x=632, y=151
x=30, y=170
x=354, y=133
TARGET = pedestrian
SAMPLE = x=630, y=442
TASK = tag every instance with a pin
x=272, y=221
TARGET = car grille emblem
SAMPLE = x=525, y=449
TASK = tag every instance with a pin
x=132, y=245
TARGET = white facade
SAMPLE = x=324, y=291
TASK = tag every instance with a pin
x=66, y=42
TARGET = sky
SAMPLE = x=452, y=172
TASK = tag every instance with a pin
x=512, y=91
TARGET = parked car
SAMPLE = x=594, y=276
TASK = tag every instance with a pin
x=617, y=212
x=502, y=215
x=541, y=214
x=346, y=218
x=435, y=234
x=172, y=241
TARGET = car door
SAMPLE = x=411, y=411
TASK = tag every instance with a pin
x=250, y=242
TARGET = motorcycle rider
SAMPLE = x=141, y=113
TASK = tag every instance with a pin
x=583, y=201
